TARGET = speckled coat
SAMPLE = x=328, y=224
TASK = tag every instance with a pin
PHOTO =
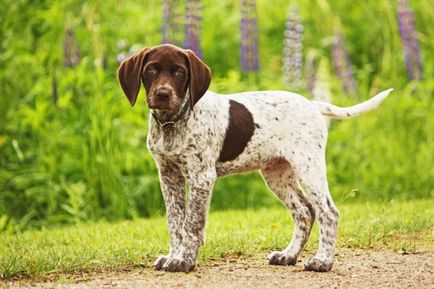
x=281, y=134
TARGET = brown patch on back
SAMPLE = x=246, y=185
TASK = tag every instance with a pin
x=238, y=133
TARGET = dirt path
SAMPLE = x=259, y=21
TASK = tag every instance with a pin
x=353, y=269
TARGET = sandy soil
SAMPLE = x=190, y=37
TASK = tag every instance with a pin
x=352, y=269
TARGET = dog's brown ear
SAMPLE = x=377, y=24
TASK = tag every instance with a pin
x=129, y=74
x=200, y=77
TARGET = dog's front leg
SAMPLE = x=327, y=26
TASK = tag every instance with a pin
x=172, y=184
x=201, y=184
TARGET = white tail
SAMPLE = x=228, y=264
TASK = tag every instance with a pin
x=338, y=112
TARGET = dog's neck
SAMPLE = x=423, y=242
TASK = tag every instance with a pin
x=167, y=131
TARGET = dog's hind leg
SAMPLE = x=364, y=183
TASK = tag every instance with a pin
x=313, y=179
x=281, y=180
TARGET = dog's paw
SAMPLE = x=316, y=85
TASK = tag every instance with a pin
x=178, y=265
x=318, y=265
x=281, y=258
x=161, y=260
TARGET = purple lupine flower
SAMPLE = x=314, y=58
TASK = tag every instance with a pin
x=249, y=36
x=292, y=52
x=407, y=29
x=121, y=56
x=342, y=64
x=192, y=26
x=166, y=20
x=310, y=71
x=171, y=24
x=71, y=53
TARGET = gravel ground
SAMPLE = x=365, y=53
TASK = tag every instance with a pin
x=352, y=269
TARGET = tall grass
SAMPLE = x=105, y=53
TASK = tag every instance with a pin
x=84, y=156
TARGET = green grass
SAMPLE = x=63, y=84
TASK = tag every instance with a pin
x=393, y=225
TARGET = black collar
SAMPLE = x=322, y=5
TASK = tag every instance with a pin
x=166, y=125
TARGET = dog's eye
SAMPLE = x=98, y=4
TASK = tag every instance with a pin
x=179, y=73
x=151, y=71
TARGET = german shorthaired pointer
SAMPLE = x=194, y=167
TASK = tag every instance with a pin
x=197, y=135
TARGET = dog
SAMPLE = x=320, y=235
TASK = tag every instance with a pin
x=196, y=135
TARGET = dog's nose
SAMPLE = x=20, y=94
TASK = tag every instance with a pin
x=163, y=94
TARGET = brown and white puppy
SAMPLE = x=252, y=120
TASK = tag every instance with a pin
x=196, y=135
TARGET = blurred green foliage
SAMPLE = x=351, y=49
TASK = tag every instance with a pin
x=72, y=149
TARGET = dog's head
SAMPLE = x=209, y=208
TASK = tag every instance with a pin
x=167, y=73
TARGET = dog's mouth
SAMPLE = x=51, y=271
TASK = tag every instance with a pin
x=169, y=105
x=159, y=108
x=165, y=105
